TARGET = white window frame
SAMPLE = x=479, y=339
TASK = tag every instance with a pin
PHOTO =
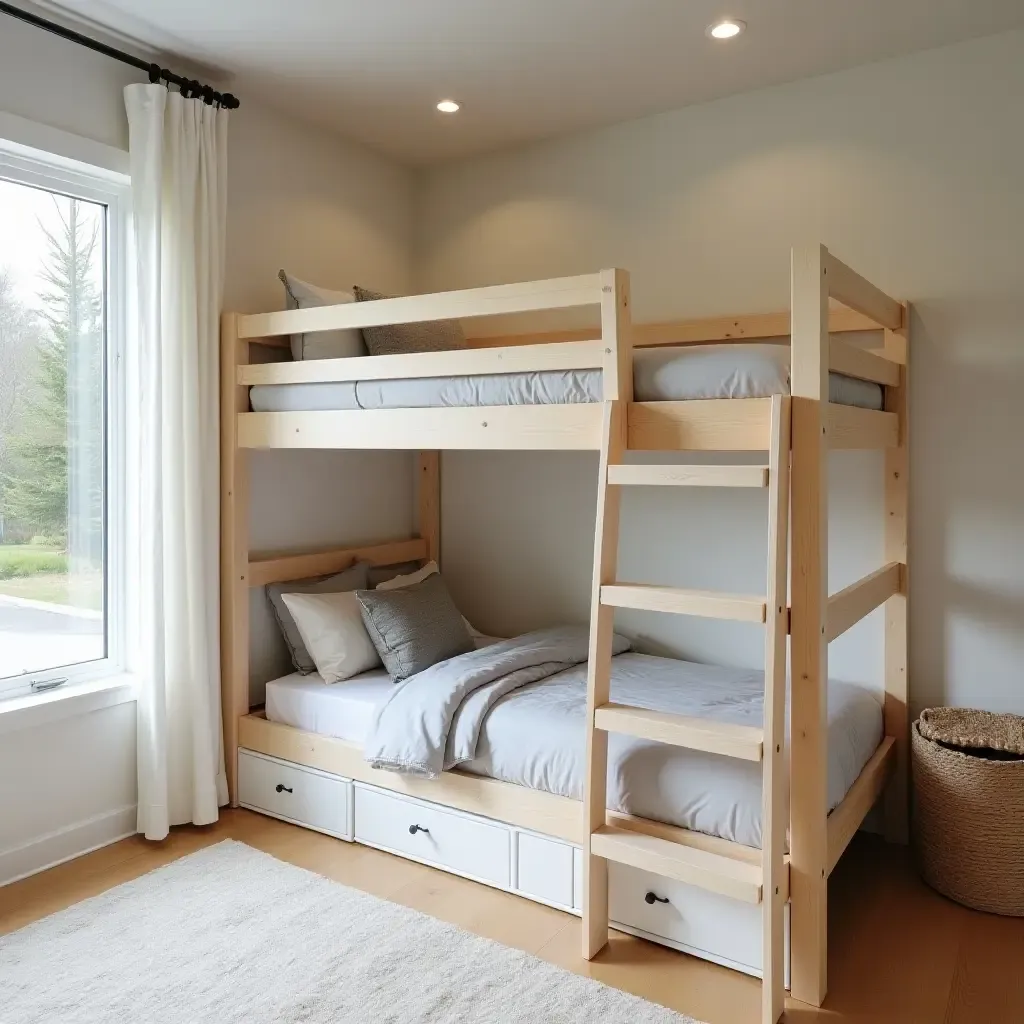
x=67, y=165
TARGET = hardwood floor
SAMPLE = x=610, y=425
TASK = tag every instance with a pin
x=900, y=954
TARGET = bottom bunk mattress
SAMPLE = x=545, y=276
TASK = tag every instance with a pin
x=535, y=737
x=659, y=375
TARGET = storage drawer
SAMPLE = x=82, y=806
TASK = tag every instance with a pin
x=544, y=869
x=303, y=795
x=704, y=922
x=449, y=839
x=577, y=878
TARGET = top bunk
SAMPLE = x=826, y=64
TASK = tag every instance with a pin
x=697, y=385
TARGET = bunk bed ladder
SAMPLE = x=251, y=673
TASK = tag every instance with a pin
x=734, y=874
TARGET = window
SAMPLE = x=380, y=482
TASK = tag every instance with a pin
x=61, y=412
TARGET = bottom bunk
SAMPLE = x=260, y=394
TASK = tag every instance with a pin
x=522, y=833
x=534, y=737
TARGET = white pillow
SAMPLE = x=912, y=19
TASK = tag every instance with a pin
x=418, y=577
x=331, y=626
x=320, y=344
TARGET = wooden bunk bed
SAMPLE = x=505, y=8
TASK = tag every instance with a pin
x=797, y=433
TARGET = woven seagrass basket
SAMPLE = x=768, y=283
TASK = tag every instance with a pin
x=968, y=771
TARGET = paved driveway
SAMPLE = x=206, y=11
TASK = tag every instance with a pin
x=35, y=637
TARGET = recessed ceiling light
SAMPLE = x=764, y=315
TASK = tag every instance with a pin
x=727, y=28
x=448, y=106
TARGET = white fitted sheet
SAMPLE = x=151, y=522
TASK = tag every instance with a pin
x=659, y=374
x=534, y=737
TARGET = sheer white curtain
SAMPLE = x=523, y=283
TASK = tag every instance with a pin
x=178, y=156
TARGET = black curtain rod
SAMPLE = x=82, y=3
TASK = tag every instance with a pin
x=189, y=86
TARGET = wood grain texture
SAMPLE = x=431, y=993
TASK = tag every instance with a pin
x=734, y=878
x=740, y=741
x=745, y=327
x=724, y=425
x=774, y=781
x=897, y=518
x=556, y=293
x=429, y=503
x=707, y=604
x=851, y=428
x=617, y=336
x=847, y=607
x=505, y=427
x=808, y=650
x=844, y=821
x=688, y=476
x=856, y=292
x=266, y=569
x=685, y=837
x=602, y=623
x=860, y=363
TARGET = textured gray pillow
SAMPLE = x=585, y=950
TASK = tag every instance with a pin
x=342, y=582
x=414, y=627
x=400, y=339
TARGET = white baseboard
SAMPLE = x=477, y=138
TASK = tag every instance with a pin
x=66, y=843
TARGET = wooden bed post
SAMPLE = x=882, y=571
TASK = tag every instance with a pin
x=897, y=465
x=429, y=514
x=774, y=780
x=808, y=645
x=234, y=547
x=618, y=390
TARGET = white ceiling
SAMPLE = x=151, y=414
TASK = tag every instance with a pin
x=523, y=69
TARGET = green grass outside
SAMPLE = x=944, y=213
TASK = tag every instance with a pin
x=57, y=588
x=24, y=560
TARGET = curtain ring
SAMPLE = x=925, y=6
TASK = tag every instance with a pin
x=154, y=74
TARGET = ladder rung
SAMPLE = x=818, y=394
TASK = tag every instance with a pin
x=706, y=603
x=688, y=476
x=742, y=741
x=734, y=878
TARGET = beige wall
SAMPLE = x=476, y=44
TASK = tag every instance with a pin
x=336, y=215
x=912, y=171
x=298, y=198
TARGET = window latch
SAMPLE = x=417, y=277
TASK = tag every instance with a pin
x=42, y=685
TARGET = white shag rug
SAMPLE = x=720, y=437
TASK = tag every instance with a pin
x=230, y=934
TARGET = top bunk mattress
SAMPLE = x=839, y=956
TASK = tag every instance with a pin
x=535, y=737
x=662, y=374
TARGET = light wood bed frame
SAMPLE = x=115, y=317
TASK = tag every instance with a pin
x=817, y=839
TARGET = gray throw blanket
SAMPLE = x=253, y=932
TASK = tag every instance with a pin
x=432, y=721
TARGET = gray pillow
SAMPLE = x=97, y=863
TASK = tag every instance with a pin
x=338, y=583
x=414, y=627
x=400, y=339
x=338, y=344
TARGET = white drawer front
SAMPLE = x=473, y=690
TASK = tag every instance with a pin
x=289, y=791
x=439, y=836
x=693, y=917
x=577, y=878
x=545, y=869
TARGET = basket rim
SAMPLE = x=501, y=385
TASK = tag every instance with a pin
x=973, y=729
x=935, y=748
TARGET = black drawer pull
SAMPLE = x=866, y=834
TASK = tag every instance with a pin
x=282, y=788
x=413, y=829
x=651, y=899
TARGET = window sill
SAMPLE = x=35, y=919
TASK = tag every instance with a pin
x=32, y=710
